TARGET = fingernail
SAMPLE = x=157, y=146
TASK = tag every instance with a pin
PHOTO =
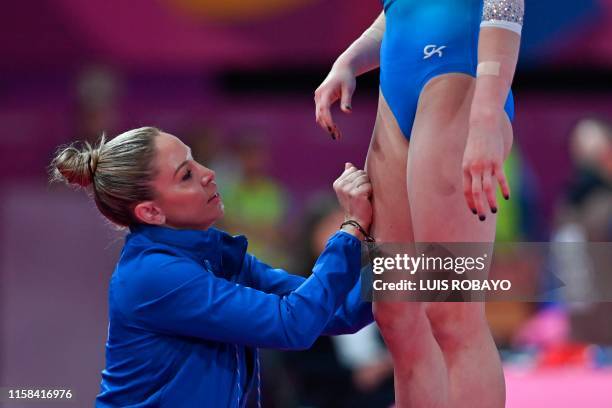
x=348, y=107
x=482, y=217
x=474, y=211
x=329, y=129
x=494, y=210
x=507, y=197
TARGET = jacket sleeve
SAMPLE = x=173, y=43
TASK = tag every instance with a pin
x=352, y=315
x=261, y=276
x=178, y=296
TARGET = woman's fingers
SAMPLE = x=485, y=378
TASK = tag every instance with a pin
x=353, y=181
x=480, y=185
x=353, y=190
x=348, y=170
x=476, y=173
x=323, y=115
x=488, y=187
x=347, y=95
x=467, y=190
x=361, y=180
x=364, y=189
x=337, y=86
x=341, y=181
x=351, y=177
x=498, y=172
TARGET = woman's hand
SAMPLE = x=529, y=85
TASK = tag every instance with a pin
x=483, y=166
x=354, y=190
x=339, y=84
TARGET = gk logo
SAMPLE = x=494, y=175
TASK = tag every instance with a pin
x=432, y=49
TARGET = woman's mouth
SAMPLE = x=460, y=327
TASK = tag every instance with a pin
x=215, y=197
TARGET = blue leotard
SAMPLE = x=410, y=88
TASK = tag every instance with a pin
x=423, y=39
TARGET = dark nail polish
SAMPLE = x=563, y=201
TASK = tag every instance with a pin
x=332, y=136
x=474, y=211
x=482, y=217
x=494, y=210
x=348, y=107
x=507, y=197
x=329, y=129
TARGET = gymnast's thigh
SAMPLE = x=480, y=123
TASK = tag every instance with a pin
x=438, y=205
x=386, y=167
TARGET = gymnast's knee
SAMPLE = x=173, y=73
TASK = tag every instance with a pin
x=455, y=324
x=398, y=319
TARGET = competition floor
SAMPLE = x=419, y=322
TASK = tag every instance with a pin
x=558, y=388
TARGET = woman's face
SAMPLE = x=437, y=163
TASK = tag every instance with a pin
x=186, y=192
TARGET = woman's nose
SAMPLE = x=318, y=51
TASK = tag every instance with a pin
x=208, y=177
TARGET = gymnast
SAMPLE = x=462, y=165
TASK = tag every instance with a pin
x=446, y=68
x=188, y=306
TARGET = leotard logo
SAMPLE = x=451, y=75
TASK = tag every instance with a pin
x=432, y=49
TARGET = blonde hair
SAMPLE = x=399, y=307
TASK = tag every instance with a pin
x=120, y=171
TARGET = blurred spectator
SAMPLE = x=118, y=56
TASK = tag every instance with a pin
x=256, y=204
x=344, y=371
x=591, y=153
x=584, y=215
x=206, y=141
x=96, y=111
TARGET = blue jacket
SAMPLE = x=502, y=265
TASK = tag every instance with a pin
x=188, y=310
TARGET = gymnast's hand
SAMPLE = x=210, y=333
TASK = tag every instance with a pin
x=354, y=190
x=339, y=84
x=483, y=166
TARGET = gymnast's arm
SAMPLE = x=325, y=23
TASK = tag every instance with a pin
x=498, y=50
x=361, y=56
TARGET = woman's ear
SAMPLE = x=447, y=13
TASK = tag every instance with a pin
x=149, y=213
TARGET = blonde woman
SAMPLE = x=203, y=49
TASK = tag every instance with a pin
x=188, y=306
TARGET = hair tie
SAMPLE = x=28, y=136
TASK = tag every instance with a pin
x=91, y=172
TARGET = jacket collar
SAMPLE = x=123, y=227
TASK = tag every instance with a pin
x=224, y=253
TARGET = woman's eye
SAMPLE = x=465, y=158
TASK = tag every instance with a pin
x=187, y=175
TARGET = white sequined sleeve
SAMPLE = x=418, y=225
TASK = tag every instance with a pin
x=506, y=14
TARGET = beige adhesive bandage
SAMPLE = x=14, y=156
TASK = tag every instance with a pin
x=488, y=68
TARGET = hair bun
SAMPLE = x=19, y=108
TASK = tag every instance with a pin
x=121, y=171
x=75, y=166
